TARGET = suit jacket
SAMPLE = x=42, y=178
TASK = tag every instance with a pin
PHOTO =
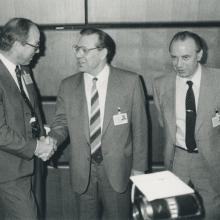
x=16, y=143
x=124, y=146
x=207, y=137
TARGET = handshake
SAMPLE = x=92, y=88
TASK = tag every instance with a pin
x=46, y=147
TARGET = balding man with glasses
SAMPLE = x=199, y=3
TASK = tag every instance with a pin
x=102, y=109
x=21, y=129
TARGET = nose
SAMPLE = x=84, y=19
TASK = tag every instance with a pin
x=79, y=53
x=179, y=62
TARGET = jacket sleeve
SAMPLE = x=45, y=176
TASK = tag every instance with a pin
x=59, y=128
x=139, y=128
x=10, y=140
x=157, y=103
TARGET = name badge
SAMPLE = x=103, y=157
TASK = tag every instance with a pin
x=216, y=120
x=121, y=118
x=27, y=78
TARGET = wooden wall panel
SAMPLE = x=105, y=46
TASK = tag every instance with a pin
x=7, y=10
x=185, y=10
x=209, y=10
x=129, y=10
x=153, y=10
x=69, y=12
x=144, y=51
x=56, y=62
x=43, y=11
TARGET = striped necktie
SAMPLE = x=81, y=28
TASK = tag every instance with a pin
x=95, y=124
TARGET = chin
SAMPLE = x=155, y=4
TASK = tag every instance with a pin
x=27, y=62
x=183, y=74
x=81, y=69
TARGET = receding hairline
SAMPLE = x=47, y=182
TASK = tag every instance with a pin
x=184, y=40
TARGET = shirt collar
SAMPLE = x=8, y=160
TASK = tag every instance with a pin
x=10, y=66
x=195, y=78
x=101, y=76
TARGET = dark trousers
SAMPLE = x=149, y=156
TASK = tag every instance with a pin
x=100, y=201
x=38, y=186
x=17, y=200
x=192, y=169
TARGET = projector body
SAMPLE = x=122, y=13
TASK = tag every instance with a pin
x=179, y=207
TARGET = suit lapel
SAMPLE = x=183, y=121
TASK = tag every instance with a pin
x=205, y=97
x=9, y=81
x=112, y=90
x=85, y=114
x=80, y=98
x=170, y=105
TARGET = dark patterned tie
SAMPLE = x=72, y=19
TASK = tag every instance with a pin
x=95, y=125
x=190, y=118
x=34, y=123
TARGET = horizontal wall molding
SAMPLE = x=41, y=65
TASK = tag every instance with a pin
x=52, y=99
x=128, y=25
x=124, y=25
x=157, y=166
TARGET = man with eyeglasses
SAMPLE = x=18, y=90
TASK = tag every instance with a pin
x=21, y=128
x=102, y=109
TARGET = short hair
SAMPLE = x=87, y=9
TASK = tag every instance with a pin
x=185, y=35
x=105, y=41
x=16, y=29
x=199, y=41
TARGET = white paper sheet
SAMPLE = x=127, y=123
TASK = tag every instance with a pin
x=159, y=185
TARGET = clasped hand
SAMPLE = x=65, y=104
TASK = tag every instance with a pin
x=46, y=146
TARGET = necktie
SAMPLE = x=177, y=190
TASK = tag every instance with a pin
x=95, y=125
x=34, y=122
x=190, y=118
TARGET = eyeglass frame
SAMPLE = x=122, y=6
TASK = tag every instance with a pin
x=84, y=49
x=36, y=47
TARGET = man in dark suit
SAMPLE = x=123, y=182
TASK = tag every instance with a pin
x=102, y=109
x=20, y=122
x=188, y=103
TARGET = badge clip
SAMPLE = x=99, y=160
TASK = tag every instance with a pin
x=119, y=110
x=33, y=119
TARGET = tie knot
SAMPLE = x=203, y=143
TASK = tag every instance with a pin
x=17, y=70
x=190, y=83
x=95, y=79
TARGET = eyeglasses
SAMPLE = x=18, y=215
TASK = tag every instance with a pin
x=83, y=49
x=36, y=47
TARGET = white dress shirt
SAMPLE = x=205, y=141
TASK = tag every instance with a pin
x=181, y=90
x=101, y=85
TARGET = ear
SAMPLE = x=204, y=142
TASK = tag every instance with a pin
x=199, y=55
x=17, y=46
x=103, y=53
